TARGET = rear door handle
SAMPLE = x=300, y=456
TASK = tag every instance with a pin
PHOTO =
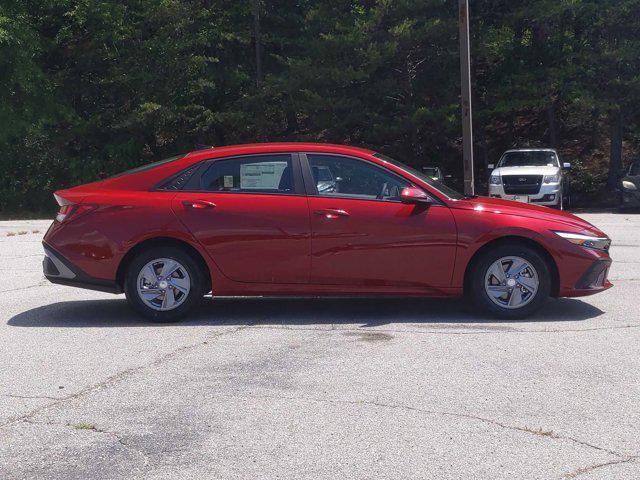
x=332, y=213
x=198, y=204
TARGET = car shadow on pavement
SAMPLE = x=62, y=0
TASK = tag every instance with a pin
x=364, y=312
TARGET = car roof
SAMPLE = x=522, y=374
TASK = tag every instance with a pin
x=275, y=147
x=531, y=150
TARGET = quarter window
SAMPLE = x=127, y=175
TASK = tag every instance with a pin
x=336, y=176
x=257, y=174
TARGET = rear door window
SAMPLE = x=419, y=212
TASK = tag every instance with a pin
x=250, y=174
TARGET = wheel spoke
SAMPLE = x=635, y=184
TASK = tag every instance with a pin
x=497, y=290
x=168, y=268
x=181, y=284
x=150, y=293
x=498, y=271
x=149, y=274
x=169, y=299
x=517, y=266
x=516, y=297
x=528, y=283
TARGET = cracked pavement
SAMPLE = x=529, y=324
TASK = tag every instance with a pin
x=317, y=388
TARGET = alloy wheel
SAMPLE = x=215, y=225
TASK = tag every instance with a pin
x=511, y=282
x=163, y=284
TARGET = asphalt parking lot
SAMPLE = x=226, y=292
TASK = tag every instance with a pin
x=317, y=388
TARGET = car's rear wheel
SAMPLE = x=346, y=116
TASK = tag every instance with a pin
x=164, y=283
x=510, y=281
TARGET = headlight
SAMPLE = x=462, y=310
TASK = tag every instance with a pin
x=586, y=241
x=495, y=180
x=551, y=178
x=629, y=185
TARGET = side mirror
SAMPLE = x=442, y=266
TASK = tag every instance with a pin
x=566, y=166
x=491, y=166
x=415, y=196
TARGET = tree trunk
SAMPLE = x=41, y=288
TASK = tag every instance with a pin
x=615, y=156
x=553, y=126
x=595, y=128
x=292, y=120
x=257, y=40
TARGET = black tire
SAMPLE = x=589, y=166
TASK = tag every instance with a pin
x=196, y=291
x=476, y=282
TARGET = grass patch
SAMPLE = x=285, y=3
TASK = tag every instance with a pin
x=542, y=433
x=84, y=426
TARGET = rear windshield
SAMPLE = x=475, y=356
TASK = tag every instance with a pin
x=148, y=166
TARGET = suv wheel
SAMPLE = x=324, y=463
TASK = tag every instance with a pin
x=510, y=281
x=164, y=283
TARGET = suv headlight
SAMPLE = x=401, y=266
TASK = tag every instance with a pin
x=551, y=178
x=586, y=241
x=495, y=180
x=629, y=185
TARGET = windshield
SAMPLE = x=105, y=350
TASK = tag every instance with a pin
x=634, y=169
x=529, y=159
x=441, y=187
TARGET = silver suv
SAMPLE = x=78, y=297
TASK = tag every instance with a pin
x=533, y=175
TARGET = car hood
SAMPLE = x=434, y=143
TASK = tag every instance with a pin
x=508, y=207
x=544, y=170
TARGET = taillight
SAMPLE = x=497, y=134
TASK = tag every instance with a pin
x=67, y=212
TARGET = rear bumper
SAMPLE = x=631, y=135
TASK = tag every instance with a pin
x=58, y=269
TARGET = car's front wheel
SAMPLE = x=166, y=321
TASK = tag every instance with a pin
x=510, y=281
x=164, y=283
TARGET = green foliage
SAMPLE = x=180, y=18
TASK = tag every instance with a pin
x=91, y=88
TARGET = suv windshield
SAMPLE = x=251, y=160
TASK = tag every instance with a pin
x=441, y=187
x=539, y=158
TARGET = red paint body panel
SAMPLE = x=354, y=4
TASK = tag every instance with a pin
x=381, y=243
x=262, y=244
x=252, y=238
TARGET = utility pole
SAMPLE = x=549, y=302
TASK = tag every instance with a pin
x=465, y=83
x=258, y=41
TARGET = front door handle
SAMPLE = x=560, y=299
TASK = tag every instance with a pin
x=332, y=213
x=198, y=204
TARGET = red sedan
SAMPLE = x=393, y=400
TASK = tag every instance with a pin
x=309, y=220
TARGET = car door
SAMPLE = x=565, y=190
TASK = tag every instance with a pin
x=363, y=235
x=251, y=215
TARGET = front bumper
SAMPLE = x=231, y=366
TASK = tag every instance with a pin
x=549, y=194
x=58, y=269
x=593, y=280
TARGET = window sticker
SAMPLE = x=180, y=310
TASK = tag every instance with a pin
x=228, y=181
x=261, y=176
